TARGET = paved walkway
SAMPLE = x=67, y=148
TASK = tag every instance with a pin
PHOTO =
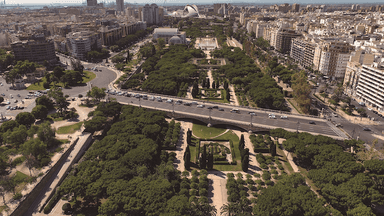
x=234, y=100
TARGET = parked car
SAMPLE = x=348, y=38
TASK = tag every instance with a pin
x=284, y=117
x=235, y=111
x=200, y=106
x=179, y=102
x=312, y=122
x=187, y=104
x=8, y=107
x=170, y=101
x=221, y=109
x=366, y=129
x=252, y=113
x=215, y=107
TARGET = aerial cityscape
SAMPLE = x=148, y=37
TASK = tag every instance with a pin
x=165, y=108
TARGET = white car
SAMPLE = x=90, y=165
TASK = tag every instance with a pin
x=200, y=106
x=370, y=109
x=283, y=117
x=170, y=101
x=271, y=116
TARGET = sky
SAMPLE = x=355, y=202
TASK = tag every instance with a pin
x=69, y=2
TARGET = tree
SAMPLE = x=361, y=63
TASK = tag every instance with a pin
x=47, y=134
x=210, y=161
x=77, y=65
x=11, y=76
x=360, y=210
x=25, y=118
x=30, y=162
x=45, y=101
x=1, y=99
x=225, y=85
x=40, y=112
x=241, y=142
x=214, y=85
x=272, y=149
x=95, y=124
x=217, y=84
x=58, y=72
x=189, y=136
x=203, y=159
x=96, y=93
x=161, y=42
x=66, y=207
x=228, y=95
x=195, y=89
x=229, y=209
x=301, y=90
x=208, y=83
x=187, y=158
x=59, y=98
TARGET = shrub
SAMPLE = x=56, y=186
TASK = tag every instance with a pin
x=243, y=194
x=195, y=179
x=266, y=175
x=203, y=184
x=252, y=188
x=66, y=207
x=280, y=167
x=257, y=175
x=230, y=175
x=195, y=173
x=259, y=182
x=269, y=161
x=269, y=182
x=203, y=192
x=277, y=177
x=203, y=172
x=193, y=192
x=17, y=161
x=240, y=181
x=194, y=185
x=250, y=181
x=263, y=166
x=17, y=196
x=273, y=171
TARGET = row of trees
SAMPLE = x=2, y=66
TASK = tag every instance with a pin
x=172, y=135
x=20, y=69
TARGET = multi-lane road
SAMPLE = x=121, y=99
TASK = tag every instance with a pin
x=261, y=117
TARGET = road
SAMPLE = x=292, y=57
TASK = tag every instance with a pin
x=261, y=117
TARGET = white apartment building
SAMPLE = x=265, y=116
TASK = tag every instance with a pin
x=334, y=58
x=370, y=87
x=260, y=30
x=79, y=43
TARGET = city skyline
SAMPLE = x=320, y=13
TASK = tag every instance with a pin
x=170, y=2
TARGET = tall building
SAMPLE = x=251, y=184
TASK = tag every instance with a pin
x=295, y=7
x=79, y=43
x=303, y=51
x=91, y=3
x=36, y=49
x=334, y=58
x=120, y=5
x=370, y=86
x=284, y=38
x=151, y=14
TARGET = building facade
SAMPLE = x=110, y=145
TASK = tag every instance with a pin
x=334, y=58
x=120, y=5
x=36, y=50
x=370, y=87
x=151, y=14
x=79, y=43
x=91, y=3
x=284, y=39
x=111, y=34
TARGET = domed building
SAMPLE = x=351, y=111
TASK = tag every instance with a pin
x=175, y=40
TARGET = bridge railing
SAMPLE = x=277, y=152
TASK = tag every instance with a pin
x=222, y=104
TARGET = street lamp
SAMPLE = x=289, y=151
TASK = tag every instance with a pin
x=210, y=116
x=173, y=107
x=250, y=126
x=298, y=123
x=139, y=103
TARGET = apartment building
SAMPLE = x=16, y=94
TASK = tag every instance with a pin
x=334, y=58
x=36, y=49
x=260, y=30
x=284, y=38
x=112, y=33
x=79, y=43
x=303, y=51
x=151, y=14
x=91, y=3
x=295, y=7
x=120, y=5
x=370, y=87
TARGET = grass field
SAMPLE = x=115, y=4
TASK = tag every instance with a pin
x=21, y=180
x=221, y=165
x=69, y=129
x=205, y=132
x=39, y=85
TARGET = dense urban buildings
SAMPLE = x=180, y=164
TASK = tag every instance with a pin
x=91, y=2
x=120, y=5
x=79, y=43
x=151, y=14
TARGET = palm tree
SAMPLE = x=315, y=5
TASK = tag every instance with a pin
x=202, y=209
x=229, y=209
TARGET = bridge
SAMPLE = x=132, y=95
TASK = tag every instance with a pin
x=257, y=122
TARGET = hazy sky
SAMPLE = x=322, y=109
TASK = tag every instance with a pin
x=29, y=2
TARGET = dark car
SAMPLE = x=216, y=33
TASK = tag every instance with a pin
x=187, y=104
x=312, y=122
x=215, y=107
x=221, y=109
x=209, y=107
x=366, y=129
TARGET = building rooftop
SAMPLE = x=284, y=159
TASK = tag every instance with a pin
x=166, y=30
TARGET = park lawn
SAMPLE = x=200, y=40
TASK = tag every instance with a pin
x=88, y=76
x=69, y=129
x=205, y=132
x=39, y=85
x=227, y=167
x=287, y=166
x=49, y=117
x=21, y=180
x=230, y=135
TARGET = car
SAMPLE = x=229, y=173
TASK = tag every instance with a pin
x=272, y=116
x=194, y=103
x=187, y=104
x=252, y=113
x=366, y=129
x=159, y=99
x=8, y=107
x=27, y=97
x=16, y=101
x=145, y=97
x=200, y=106
x=221, y=109
x=215, y=107
x=7, y=102
x=234, y=111
x=137, y=95
x=370, y=109
x=2, y=94
x=170, y=101
x=312, y=122
x=152, y=98
x=179, y=102
x=13, y=108
x=284, y=117
x=338, y=125
x=210, y=107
